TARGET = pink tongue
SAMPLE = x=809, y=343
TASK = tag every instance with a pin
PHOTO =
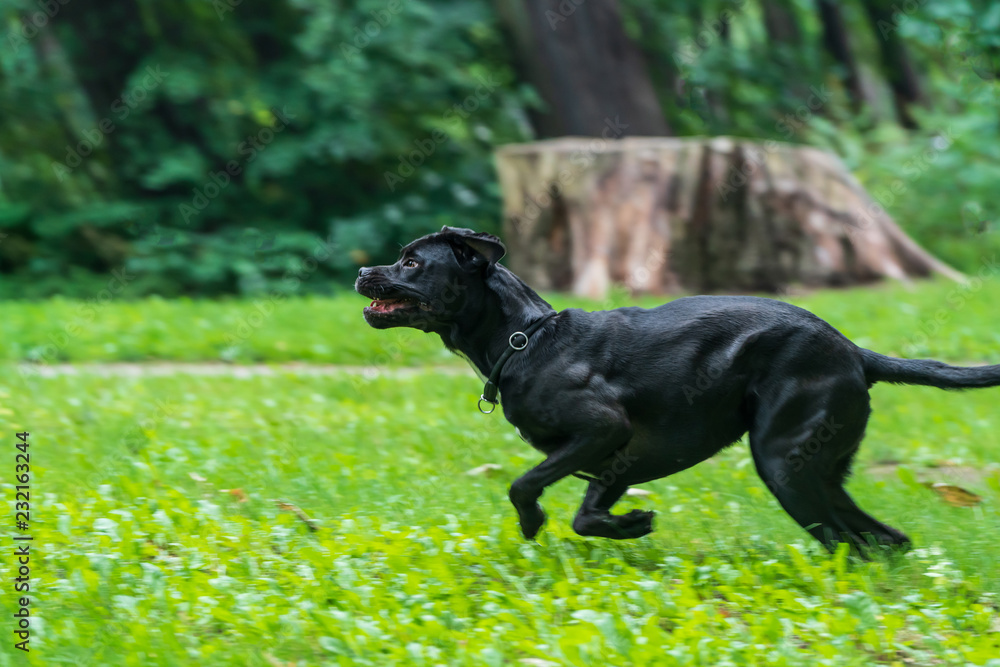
x=385, y=306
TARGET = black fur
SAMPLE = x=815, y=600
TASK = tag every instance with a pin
x=631, y=395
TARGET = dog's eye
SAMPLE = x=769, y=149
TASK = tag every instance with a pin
x=410, y=264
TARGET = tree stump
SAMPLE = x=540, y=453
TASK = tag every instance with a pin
x=662, y=215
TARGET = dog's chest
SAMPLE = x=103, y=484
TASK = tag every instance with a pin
x=544, y=445
x=534, y=425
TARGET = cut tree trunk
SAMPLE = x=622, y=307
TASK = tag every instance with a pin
x=695, y=215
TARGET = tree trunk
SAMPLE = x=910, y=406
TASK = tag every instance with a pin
x=896, y=63
x=785, y=38
x=781, y=23
x=694, y=215
x=655, y=39
x=836, y=42
x=102, y=61
x=584, y=66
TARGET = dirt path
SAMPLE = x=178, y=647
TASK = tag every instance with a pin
x=162, y=368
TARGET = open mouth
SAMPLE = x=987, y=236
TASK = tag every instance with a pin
x=390, y=306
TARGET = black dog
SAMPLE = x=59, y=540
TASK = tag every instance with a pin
x=631, y=395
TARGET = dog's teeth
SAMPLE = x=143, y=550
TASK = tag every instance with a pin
x=425, y=306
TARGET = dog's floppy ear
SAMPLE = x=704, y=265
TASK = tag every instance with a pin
x=479, y=248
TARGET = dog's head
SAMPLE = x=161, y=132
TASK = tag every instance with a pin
x=433, y=280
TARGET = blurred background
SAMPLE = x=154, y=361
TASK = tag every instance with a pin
x=228, y=466
x=206, y=146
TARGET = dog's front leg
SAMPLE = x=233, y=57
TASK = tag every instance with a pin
x=580, y=452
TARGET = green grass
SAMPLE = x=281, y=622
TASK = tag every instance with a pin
x=892, y=319
x=145, y=555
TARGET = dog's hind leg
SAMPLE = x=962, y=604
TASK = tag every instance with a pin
x=595, y=517
x=871, y=531
x=802, y=445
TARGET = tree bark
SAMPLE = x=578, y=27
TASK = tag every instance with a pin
x=664, y=73
x=781, y=23
x=102, y=61
x=896, y=62
x=583, y=65
x=694, y=215
x=785, y=36
x=837, y=43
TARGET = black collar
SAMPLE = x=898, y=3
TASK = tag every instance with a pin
x=517, y=341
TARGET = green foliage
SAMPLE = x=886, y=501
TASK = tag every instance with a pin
x=233, y=141
x=940, y=182
x=215, y=147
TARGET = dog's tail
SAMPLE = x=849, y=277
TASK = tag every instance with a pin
x=880, y=368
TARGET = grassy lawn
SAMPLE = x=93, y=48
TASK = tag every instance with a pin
x=166, y=531
x=942, y=319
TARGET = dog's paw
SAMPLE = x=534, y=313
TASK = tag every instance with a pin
x=531, y=521
x=635, y=524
